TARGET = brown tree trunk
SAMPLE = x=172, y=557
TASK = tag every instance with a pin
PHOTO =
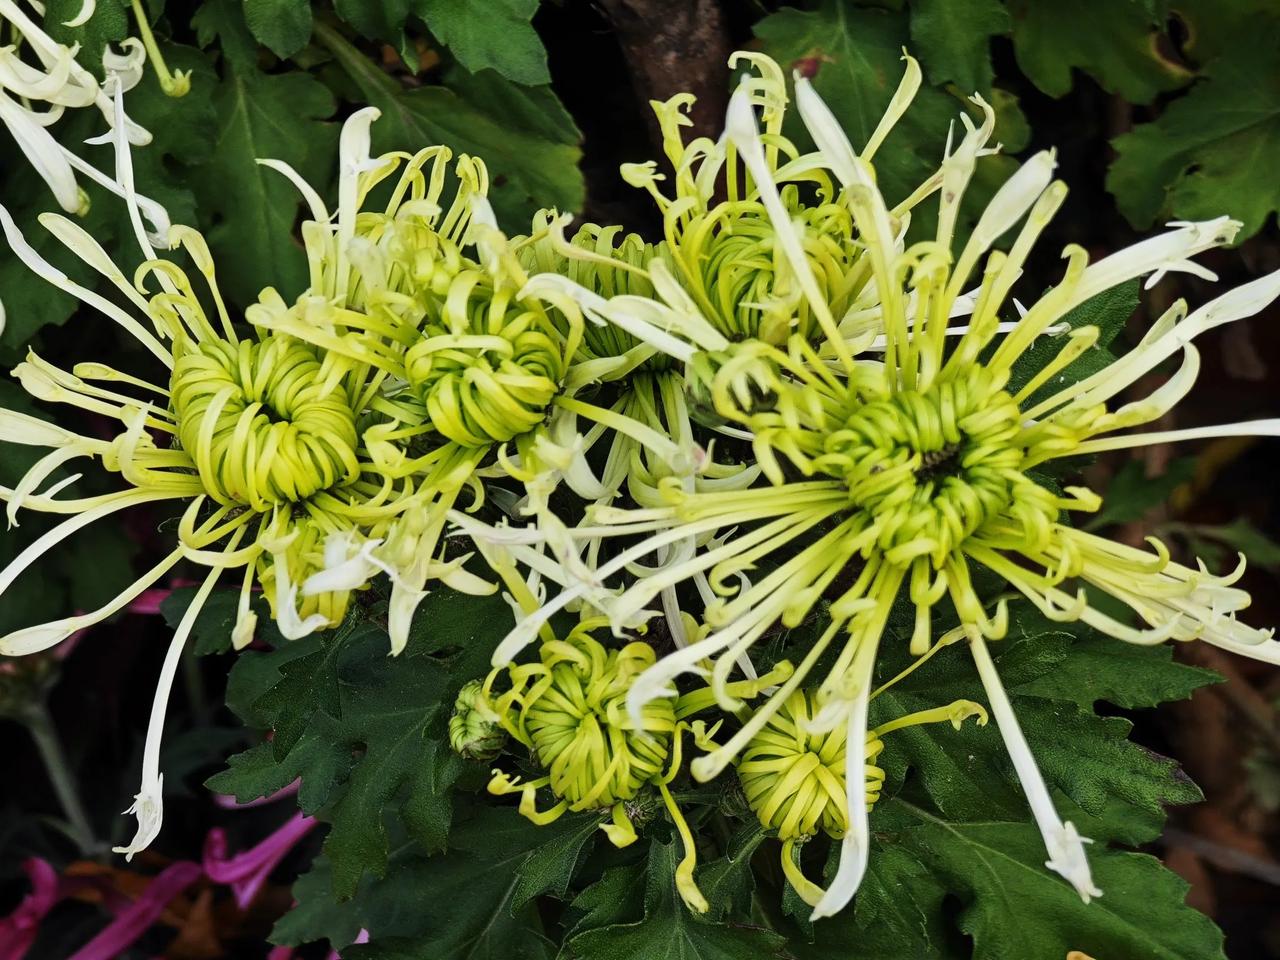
x=673, y=46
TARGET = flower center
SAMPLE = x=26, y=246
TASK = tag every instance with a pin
x=487, y=388
x=259, y=423
x=933, y=466
x=741, y=273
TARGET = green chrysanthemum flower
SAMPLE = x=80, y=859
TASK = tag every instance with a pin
x=730, y=268
x=474, y=730
x=258, y=435
x=719, y=237
x=794, y=777
x=569, y=709
x=898, y=475
x=470, y=365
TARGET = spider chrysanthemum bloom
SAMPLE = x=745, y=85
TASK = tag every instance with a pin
x=719, y=237
x=730, y=269
x=427, y=293
x=898, y=476
x=568, y=708
x=256, y=435
x=794, y=777
x=731, y=272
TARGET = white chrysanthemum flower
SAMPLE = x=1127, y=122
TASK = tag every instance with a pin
x=40, y=79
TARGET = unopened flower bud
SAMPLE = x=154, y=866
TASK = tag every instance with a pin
x=474, y=731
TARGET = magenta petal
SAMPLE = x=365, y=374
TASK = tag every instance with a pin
x=361, y=937
x=231, y=803
x=141, y=914
x=148, y=602
x=247, y=871
x=19, y=929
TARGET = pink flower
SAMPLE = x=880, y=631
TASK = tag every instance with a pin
x=247, y=871
x=18, y=930
x=287, y=953
x=148, y=602
x=134, y=920
x=231, y=803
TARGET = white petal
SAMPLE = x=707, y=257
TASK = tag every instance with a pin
x=1063, y=844
x=81, y=18
x=856, y=846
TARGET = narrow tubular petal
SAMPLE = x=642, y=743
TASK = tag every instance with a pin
x=82, y=17
x=855, y=848
x=148, y=803
x=37, y=548
x=1064, y=845
x=34, y=639
x=1245, y=428
x=740, y=128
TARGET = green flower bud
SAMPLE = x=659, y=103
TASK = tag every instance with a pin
x=474, y=731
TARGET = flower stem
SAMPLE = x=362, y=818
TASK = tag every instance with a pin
x=61, y=776
x=175, y=84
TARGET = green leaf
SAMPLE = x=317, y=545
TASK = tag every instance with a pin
x=727, y=883
x=252, y=774
x=462, y=903
x=180, y=129
x=1239, y=537
x=861, y=64
x=282, y=26
x=225, y=21
x=549, y=868
x=967, y=774
x=490, y=34
x=211, y=632
x=1210, y=152
x=366, y=731
x=110, y=23
x=669, y=931
x=952, y=38
x=376, y=19
x=617, y=897
x=276, y=116
x=897, y=913
x=1131, y=494
x=1014, y=908
x=30, y=303
x=317, y=916
x=394, y=711
x=1093, y=667
x=529, y=169
x=1114, y=41
x=306, y=742
x=182, y=139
